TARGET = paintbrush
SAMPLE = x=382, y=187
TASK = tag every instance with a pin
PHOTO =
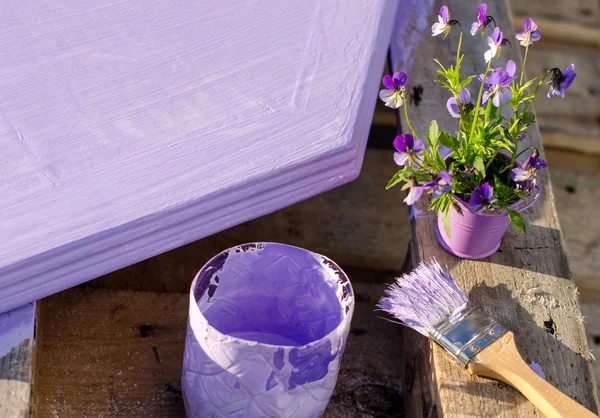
x=428, y=300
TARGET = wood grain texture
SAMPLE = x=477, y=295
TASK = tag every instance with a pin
x=119, y=353
x=526, y=286
x=591, y=312
x=502, y=361
x=576, y=187
x=16, y=353
x=132, y=128
x=573, y=123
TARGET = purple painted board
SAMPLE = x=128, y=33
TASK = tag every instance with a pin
x=129, y=128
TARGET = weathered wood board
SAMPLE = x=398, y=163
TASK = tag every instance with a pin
x=576, y=188
x=16, y=354
x=132, y=128
x=119, y=353
x=527, y=285
x=591, y=312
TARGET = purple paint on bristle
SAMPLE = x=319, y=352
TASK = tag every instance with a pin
x=423, y=297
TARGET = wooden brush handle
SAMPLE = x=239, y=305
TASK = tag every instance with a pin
x=502, y=361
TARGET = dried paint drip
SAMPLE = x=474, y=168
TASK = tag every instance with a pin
x=267, y=328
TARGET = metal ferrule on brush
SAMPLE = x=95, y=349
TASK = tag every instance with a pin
x=466, y=332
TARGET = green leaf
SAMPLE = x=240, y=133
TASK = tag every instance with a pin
x=396, y=178
x=490, y=111
x=479, y=166
x=446, y=221
x=517, y=220
x=448, y=140
x=528, y=117
x=432, y=133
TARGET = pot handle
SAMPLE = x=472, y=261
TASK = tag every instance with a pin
x=535, y=198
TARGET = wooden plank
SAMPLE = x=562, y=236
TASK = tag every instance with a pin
x=356, y=225
x=591, y=312
x=576, y=187
x=119, y=353
x=563, y=32
x=134, y=128
x=572, y=123
x=16, y=352
x=527, y=286
x=579, y=12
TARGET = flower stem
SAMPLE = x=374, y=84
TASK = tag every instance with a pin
x=536, y=91
x=476, y=113
x=460, y=105
x=458, y=50
x=523, y=67
x=408, y=120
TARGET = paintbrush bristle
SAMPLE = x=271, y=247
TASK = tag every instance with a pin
x=423, y=297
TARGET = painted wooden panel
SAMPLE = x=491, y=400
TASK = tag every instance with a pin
x=129, y=128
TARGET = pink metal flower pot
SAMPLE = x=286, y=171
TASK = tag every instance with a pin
x=267, y=327
x=474, y=236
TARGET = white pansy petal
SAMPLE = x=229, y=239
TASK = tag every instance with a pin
x=386, y=95
x=488, y=55
x=437, y=28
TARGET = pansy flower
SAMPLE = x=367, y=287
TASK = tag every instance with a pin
x=495, y=43
x=561, y=81
x=529, y=34
x=482, y=198
x=444, y=24
x=528, y=170
x=482, y=20
x=464, y=97
x=410, y=151
x=393, y=94
x=441, y=185
x=415, y=192
x=498, y=84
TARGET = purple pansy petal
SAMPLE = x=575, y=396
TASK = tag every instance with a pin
x=445, y=177
x=511, y=68
x=481, y=12
x=497, y=36
x=481, y=198
x=527, y=25
x=409, y=140
x=388, y=82
x=504, y=95
x=445, y=15
x=401, y=158
x=400, y=79
x=569, y=76
x=399, y=143
x=464, y=96
x=536, y=36
x=520, y=174
x=453, y=108
x=418, y=146
x=485, y=98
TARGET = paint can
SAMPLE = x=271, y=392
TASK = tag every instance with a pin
x=267, y=328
